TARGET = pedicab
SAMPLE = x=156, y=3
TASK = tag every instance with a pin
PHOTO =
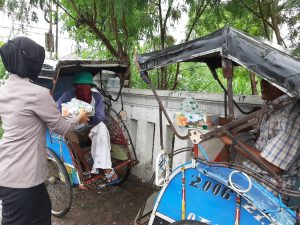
x=204, y=191
x=65, y=170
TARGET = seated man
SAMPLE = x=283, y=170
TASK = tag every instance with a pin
x=95, y=129
x=278, y=143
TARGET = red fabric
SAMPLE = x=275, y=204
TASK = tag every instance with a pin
x=83, y=92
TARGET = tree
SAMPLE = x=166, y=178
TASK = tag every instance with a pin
x=274, y=14
x=2, y=68
x=112, y=25
x=165, y=14
x=115, y=25
x=21, y=10
x=114, y=28
x=197, y=8
x=292, y=18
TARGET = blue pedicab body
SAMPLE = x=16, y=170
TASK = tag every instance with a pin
x=210, y=200
x=56, y=143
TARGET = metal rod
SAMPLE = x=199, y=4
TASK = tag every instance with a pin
x=215, y=75
x=253, y=158
x=182, y=137
x=161, y=129
x=228, y=74
x=183, y=202
x=146, y=79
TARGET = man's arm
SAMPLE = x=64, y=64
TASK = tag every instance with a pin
x=66, y=97
x=99, y=110
x=254, y=152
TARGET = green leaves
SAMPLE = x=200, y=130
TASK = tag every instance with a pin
x=112, y=29
x=2, y=69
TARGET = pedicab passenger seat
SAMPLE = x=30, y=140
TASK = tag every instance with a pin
x=115, y=131
x=118, y=140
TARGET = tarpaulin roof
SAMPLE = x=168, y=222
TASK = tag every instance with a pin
x=68, y=67
x=257, y=56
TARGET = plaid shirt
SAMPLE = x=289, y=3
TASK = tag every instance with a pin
x=279, y=143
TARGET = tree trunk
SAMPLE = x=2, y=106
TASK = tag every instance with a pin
x=275, y=22
x=126, y=77
x=263, y=20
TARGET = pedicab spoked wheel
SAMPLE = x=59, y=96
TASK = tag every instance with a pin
x=188, y=222
x=58, y=186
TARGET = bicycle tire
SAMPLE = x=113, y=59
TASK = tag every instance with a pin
x=58, y=185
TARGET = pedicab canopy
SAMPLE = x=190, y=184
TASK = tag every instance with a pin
x=68, y=67
x=266, y=61
x=59, y=74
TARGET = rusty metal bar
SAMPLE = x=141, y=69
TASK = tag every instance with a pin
x=228, y=74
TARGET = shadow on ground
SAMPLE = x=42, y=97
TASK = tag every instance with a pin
x=111, y=205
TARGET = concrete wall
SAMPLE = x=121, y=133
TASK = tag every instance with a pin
x=143, y=122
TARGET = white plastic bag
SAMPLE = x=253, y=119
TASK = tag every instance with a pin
x=72, y=109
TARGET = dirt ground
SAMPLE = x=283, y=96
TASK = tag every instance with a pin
x=110, y=205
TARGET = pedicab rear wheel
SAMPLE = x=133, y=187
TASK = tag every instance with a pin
x=58, y=186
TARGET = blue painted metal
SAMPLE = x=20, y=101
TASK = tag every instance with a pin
x=209, y=198
x=57, y=144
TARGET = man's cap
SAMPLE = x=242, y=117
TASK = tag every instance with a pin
x=84, y=77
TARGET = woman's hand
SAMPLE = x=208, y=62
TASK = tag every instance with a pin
x=83, y=116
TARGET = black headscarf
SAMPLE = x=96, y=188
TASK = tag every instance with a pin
x=23, y=57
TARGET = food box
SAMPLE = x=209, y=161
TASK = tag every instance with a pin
x=211, y=120
x=189, y=119
x=72, y=108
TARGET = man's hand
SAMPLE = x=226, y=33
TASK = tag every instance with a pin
x=254, y=152
x=226, y=140
x=64, y=112
x=83, y=116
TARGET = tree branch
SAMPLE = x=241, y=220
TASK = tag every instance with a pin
x=154, y=2
x=161, y=25
x=75, y=8
x=95, y=13
x=115, y=29
x=60, y=6
x=256, y=14
x=124, y=26
x=199, y=12
x=91, y=25
x=167, y=16
x=103, y=38
x=264, y=23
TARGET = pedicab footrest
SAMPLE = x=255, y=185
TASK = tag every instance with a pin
x=94, y=181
